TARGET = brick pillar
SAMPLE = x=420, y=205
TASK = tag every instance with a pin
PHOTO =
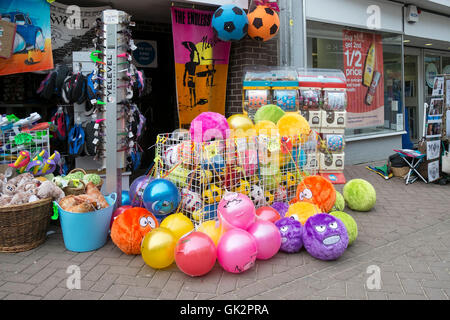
x=246, y=52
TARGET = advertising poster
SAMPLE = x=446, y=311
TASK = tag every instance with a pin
x=32, y=50
x=201, y=64
x=363, y=68
x=73, y=29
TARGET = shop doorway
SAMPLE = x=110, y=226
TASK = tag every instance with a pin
x=414, y=92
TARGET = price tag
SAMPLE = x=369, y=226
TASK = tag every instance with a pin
x=95, y=141
x=241, y=144
x=96, y=126
x=130, y=135
x=94, y=101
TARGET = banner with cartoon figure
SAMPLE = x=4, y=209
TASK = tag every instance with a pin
x=201, y=64
x=32, y=42
x=363, y=68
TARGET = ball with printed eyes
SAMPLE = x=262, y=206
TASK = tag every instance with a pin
x=161, y=197
x=291, y=234
x=190, y=200
x=130, y=227
x=317, y=190
x=325, y=237
x=257, y=195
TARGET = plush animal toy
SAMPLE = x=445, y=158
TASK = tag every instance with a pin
x=130, y=227
x=48, y=189
x=317, y=190
x=325, y=237
x=291, y=234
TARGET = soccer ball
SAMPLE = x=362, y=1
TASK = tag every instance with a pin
x=264, y=23
x=229, y=23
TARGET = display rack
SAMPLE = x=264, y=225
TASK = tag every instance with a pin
x=261, y=167
x=35, y=142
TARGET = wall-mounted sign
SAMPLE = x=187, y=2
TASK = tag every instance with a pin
x=146, y=54
x=430, y=72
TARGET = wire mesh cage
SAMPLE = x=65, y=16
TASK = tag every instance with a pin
x=265, y=168
x=13, y=142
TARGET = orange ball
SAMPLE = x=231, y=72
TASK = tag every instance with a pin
x=301, y=211
x=317, y=190
x=263, y=23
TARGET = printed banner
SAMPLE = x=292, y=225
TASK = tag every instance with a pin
x=201, y=64
x=32, y=49
x=363, y=68
x=73, y=29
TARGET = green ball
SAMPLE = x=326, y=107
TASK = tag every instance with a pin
x=339, y=204
x=350, y=224
x=359, y=195
x=269, y=112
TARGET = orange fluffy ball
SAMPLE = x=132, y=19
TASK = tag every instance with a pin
x=317, y=190
x=263, y=23
x=129, y=228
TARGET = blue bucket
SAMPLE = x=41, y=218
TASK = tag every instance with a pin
x=86, y=231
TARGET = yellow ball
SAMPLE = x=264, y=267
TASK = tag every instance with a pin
x=179, y=224
x=293, y=124
x=301, y=211
x=158, y=248
x=212, y=230
x=240, y=121
x=266, y=127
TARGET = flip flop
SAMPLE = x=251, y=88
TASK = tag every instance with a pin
x=76, y=140
x=89, y=146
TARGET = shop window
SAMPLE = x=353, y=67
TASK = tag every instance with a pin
x=338, y=47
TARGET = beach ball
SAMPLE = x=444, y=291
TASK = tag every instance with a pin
x=263, y=23
x=229, y=23
x=240, y=122
x=161, y=197
x=125, y=198
x=325, y=237
x=268, y=238
x=267, y=214
x=291, y=234
x=359, y=195
x=208, y=126
x=236, y=251
x=212, y=229
x=301, y=211
x=236, y=210
x=137, y=188
x=119, y=211
x=179, y=224
x=158, y=248
x=195, y=254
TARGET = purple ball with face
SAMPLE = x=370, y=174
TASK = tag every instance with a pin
x=291, y=234
x=281, y=207
x=325, y=237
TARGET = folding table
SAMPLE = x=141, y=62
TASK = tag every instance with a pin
x=417, y=159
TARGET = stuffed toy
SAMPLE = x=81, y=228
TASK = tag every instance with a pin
x=269, y=112
x=130, y=227
x=350, y=224
x=325, y=237
x=48, y=189
x=281, y=207
x=317, y=190
x=209, y=126
x=339, y=204
x=301, y=211
x=293, y=124
x=92, y=200
x=359, y=195
x=291, y=234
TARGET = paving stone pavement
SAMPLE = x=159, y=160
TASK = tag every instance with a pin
x=406, y=237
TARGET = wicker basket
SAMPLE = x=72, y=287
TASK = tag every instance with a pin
x=400, y=171
x=68, y=191
x=24, y=227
